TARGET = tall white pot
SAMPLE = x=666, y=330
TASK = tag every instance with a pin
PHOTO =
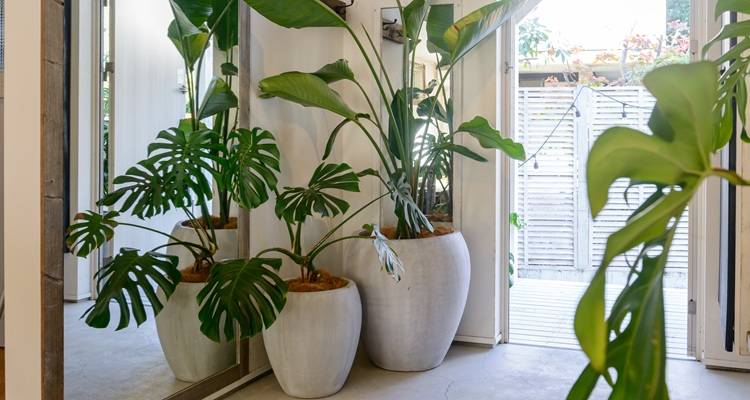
x=192, y=356
x=313, y=342
x=410, y=325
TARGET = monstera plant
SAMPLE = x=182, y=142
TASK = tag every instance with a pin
x=400, y=137
x=183, y=166
x=694, y=117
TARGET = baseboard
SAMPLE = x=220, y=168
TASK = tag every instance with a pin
x=478, y=340
x=76, y=298
x=253, y=376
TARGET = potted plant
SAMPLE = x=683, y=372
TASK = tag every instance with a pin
x=408, y=326
x=314, y=339
x=184, y=166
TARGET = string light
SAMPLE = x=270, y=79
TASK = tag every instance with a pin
x=573, y=107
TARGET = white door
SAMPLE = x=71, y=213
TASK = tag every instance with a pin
x=146, y=98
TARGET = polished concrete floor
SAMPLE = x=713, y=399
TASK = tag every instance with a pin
x=508, y=372
x=101, y=364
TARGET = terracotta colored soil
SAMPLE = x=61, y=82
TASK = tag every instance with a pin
x=323, y=282
x=440, y=230
x=192, y=274
x=232, y=224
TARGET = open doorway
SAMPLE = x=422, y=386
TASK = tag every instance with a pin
x=571, y=86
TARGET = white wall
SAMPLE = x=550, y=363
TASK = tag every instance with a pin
x=22, y=192
x=77, y=278
x=301, y=132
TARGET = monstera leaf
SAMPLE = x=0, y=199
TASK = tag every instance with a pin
x=389, y=260
x=675, y=159
x=307, y=90
x=254, y=163
x=185, y=159
x=297, y=203
x=125, y=278
x=90, y=231
x=463, y=35
x=732, y=82
x=298, y=13
x=405, y=208
x=248, y=292
x=143, y=192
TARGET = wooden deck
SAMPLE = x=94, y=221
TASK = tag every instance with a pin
x=541, y=313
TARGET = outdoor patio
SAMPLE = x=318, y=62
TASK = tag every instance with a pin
x=541, y=313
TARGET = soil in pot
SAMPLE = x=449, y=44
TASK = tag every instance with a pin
x=231, y=224
x=440, y=230
x=323, y=281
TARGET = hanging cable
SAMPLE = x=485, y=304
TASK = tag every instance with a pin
x=573, y=106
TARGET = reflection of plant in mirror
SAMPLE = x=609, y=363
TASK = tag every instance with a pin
x=183, y=165
x=228, y=298
x=400, y=140
x=628, y=347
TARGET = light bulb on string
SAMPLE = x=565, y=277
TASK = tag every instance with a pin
x=578, y=112
x=536, y=163
x=624, y=112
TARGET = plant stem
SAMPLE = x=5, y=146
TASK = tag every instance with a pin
x=375, y=145
x=347, y=219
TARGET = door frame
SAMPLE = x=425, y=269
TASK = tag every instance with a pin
x=699, y=243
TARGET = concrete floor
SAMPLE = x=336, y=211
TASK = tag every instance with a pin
x=508, y=372
x=104, y=365
x=101, y=364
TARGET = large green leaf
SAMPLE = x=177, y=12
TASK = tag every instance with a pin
x=739, y=6
x=186, y=159
x=295, y=204
x=675, y=159
x=407, y=211
x=219, y=98
x=414, y=16
x=439, y=20
x=224, y=20
x=254, y=163
x=196, y=11
x=143, y=192
x=90, y=231
x=490, y=138
x=307, y=90
x=462, y=36
x=336, y=71
x=189, y=39
x=124, y=279
x=298, y=13
x=398, y=132
x=732, y=82
x=248, y=293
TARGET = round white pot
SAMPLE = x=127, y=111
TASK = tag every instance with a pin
x=191, y=355
x=410, y=325
x=313, y=342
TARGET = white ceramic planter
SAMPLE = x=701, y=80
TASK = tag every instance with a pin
x=410, y=325
x=313, y=342
x=192, y=356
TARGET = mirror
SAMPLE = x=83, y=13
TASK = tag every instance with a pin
x=165, y=357
x=432, y=105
